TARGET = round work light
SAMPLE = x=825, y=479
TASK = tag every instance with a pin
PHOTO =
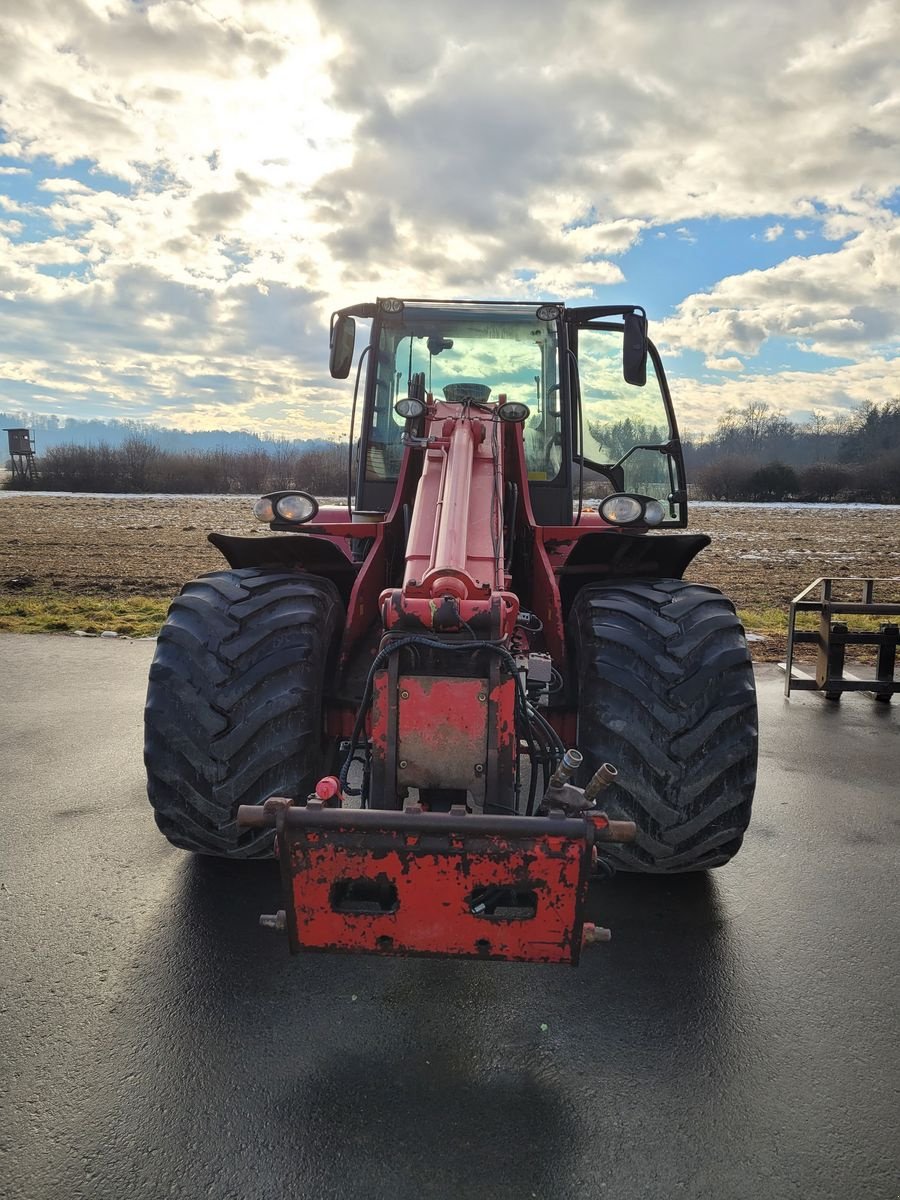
x=621, y=509
x=409, y=407
x=296, y=507
x=654, y=513
x=512, y=410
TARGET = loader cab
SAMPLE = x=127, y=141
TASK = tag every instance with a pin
x=502, y=349
x=589, y=431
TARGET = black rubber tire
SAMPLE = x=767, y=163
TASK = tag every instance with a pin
x=667, y=695
x=234, y=703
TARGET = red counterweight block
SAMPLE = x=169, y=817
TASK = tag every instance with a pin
x=435, y=884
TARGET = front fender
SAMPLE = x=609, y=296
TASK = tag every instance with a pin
x=298, y=551
x=601, y=557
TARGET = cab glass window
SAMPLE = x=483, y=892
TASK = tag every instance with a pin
x=624, y=429
x=510, y=353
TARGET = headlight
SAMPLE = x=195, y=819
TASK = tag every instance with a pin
x=390, y=305
x=297, y=507
x=621, y=509
x=512, y=410
x=549, y=312
x=264, y=510
x=409, y=407
x=654, y=513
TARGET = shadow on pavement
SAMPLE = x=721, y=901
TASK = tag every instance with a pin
x=254, y=1073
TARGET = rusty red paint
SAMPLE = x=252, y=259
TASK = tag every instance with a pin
x=446, y=728
x=441, y=731
x=492, y=618
x=504, y=696
x=379, y=713
x=429, y=879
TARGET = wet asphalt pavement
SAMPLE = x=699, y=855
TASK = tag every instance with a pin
x=738, y=1038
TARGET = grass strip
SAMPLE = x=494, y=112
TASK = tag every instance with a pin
x=58, y=612
x=142, y=616
x=775, y=620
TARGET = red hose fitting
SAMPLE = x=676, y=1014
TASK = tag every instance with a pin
x=328, y=788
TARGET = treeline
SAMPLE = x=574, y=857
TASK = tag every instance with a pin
x=740, y=478
x=761, y=431
x=756, y=453
x=51, y=430
x=138, y=465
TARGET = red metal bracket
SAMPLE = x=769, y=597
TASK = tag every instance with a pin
x=416, y=744
x=377, y=881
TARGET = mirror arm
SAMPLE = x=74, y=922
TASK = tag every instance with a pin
x=661, y=449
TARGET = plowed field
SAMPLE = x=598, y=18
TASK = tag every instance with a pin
x=761, y=555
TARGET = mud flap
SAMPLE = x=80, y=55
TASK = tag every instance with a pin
x=379, y=881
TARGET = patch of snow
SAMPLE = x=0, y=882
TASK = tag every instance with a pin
x=790, y=505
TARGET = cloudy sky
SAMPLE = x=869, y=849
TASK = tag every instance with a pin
x=188, y=189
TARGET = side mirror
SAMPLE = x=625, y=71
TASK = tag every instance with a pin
x=634, y=349
x=343, y=339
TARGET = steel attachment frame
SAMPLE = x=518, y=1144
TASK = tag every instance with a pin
x=833, y=637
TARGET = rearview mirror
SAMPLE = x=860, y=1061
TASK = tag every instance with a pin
x=343, y=339
x=634, y=349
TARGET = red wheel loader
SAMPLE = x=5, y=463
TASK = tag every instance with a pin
x=449, y=702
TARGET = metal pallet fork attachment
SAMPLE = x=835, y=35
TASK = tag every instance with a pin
x=833, y=637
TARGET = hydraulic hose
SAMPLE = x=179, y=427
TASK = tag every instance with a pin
x=395, y=647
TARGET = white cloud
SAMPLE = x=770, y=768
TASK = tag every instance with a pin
x=773, y=233
x=724, y=364
x=833, y=392
x=52, y=251
x=65, y=185
x=839, y=303
x=280, y=156
x=580, y=280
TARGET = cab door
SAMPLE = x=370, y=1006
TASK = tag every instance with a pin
x=625, y=436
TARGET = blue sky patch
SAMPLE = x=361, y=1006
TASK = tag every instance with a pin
x=258, y=172
x=694, y=256
x=26, y=188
